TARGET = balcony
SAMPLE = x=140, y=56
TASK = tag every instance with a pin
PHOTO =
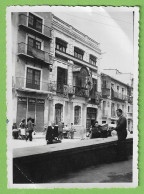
x=81, y=92
x=118, y=96
x=45, y=33
x=95, y=97
x=129, y=115
x=73, y=58
x=25, y=50
x=23, y=84
x=130, y=99
x=105, y=92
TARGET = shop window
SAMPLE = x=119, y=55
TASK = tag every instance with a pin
x=78, y=53
x=33, y=43
x=92, y=60
x=33, y=79
x=35, y=22
x=77, y=115
x=61, y=45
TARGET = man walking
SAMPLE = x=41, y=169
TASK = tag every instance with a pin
x=122, y=134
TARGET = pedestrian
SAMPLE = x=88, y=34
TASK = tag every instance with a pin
x=95, y=130
x=29, y=129
x=15, y=131
x=60, y=130
x=22, y=126
x=72, y=130
x=121, y=134
x=49, y=133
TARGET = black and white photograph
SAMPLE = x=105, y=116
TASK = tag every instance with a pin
x=72, y=96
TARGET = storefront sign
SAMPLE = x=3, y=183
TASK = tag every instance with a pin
x=32, y=100
x=22, y=99
x=40, y=101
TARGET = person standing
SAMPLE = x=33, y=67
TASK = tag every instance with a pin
x=29, y=128
x=121, y=134
x=22, y=129
x=72, y=130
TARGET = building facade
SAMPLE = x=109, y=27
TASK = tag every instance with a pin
x=116, y=95
x=31, y=61
x=75, y=72
x=55, y=72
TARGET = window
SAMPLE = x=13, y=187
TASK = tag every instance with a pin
x=118, y=89
x=123, y=108
x=92, y=60
x=32, y=43
x=33, y=79
x=77, y=115
x=78, y=53
x=113, y=110
x=104, y=108
x=118, y=106
x=35, y=22
x=61, y=45
x=61, y=79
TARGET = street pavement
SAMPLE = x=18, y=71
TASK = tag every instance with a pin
x=117, y=172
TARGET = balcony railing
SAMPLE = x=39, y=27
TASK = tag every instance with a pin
x=45, y=32
x=118, y=96
x=129, y=115
x=25, y=49
x=81, y=92
x=130, y=99
x=22, y=83
x=105, y=92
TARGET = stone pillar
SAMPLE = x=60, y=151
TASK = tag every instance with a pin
x=70, y=73
x=46, y=112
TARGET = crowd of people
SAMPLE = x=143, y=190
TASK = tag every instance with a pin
x=58, y=132
x=24, y=131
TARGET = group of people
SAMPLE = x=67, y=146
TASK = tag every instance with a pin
x=24, y=131
x=58, y=132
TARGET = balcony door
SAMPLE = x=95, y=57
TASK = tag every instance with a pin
x=91, y=116
x=58, y=113
x=33, y=79
x=61, y=79
x=33, y=43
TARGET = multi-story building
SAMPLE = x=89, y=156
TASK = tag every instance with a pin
x=116, y=94
x=75, y=72
x=55, y=72
x=31, y=64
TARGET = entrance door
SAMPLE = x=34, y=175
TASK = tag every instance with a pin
x=58, y=113
x=91, y=116
x=40, y=115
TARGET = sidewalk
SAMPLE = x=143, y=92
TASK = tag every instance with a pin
x=38, y=145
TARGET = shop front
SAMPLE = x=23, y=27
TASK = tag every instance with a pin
x=31, y=107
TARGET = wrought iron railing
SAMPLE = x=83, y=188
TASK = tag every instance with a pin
x=119, y=96
x=35, y=52
x=24, y=83
x=24, y=20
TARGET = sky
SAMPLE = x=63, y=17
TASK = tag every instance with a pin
x=109, y=26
